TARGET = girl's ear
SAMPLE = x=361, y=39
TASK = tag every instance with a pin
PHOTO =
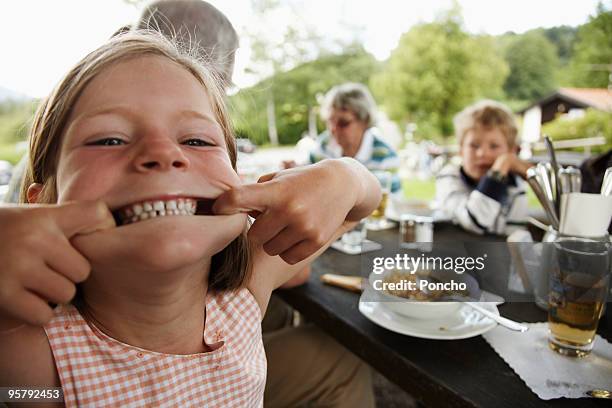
x=33, y=192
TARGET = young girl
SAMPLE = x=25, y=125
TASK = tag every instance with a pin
x=485, y=194
x=168, y=307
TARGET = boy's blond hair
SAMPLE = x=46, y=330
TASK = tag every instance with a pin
x=487, y=115
x=230, y=267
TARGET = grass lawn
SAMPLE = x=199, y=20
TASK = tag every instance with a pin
x=419, y=189
x=11, y=153
x=426, y=190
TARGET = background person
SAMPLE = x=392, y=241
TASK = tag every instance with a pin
x=593, y=170
x=349, y=110
x=486, y=192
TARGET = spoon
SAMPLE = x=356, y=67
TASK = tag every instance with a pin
x=502, y=321
x=555, y=168
x=606, y=186
x=507, y=323
x=598, y=393
x=532, y=179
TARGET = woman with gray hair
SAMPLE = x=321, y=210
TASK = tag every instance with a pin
x=350, y=112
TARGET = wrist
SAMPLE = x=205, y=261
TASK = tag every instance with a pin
x=498, y=175
x=363, y=185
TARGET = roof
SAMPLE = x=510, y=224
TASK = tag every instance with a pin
x=598, y=98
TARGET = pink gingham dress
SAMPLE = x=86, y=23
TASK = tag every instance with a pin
x=96, y=370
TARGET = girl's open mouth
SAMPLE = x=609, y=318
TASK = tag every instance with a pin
x=150, y=209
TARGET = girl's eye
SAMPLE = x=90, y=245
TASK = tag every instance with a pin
x=107, y=141
x=473, y=145
x=196, y=142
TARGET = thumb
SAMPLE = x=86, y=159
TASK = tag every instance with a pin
x=243, y=199
x=83, y=217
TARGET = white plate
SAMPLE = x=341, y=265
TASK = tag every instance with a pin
x=463, y=324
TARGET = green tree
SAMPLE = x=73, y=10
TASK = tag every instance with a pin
x=593, y=123
x=272, y=53
x=435, y=71
x=591, y=64
x=533, y=61
x=296, y=94
x=563, y=38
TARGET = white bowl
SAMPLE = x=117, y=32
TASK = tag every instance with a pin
x=420, y=309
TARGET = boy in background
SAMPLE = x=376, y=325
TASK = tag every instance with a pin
x=486, y=193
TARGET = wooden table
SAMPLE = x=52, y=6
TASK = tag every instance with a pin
x=458, y=373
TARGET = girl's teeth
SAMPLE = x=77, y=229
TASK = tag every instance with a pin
x=143, y=211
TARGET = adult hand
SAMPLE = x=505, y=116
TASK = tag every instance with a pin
x=298, y=210
x=38, y=263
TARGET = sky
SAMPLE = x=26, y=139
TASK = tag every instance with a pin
x=40, y=40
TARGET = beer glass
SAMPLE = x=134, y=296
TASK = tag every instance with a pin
x=377, y=220
x=578, y=287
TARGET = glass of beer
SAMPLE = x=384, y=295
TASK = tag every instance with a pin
x=377, y=220
x=578, y=287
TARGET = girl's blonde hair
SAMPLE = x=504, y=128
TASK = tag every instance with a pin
x=486, y=114
x=230, y=268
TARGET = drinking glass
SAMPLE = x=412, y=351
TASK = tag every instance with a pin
x=377, y=221
x=353, y=239
x=578, y=289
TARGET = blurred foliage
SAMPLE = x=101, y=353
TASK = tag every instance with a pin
x=593, y=51
x=15, y=120
x=436, y=70
x=593, y=123
x=295, y=93
x=563, y=38
x=532, y=59
x=417, y=189
x=11, y=153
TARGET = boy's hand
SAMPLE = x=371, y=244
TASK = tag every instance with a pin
x=38, y=264
x=510, y=163
x=504, y=163
x=298, y=210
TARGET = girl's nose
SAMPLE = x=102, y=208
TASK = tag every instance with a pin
x=160, y=155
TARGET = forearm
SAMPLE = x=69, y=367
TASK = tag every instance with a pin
x=520, y=168
x=298, y=279
x=366, y=188
x=271, y=272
